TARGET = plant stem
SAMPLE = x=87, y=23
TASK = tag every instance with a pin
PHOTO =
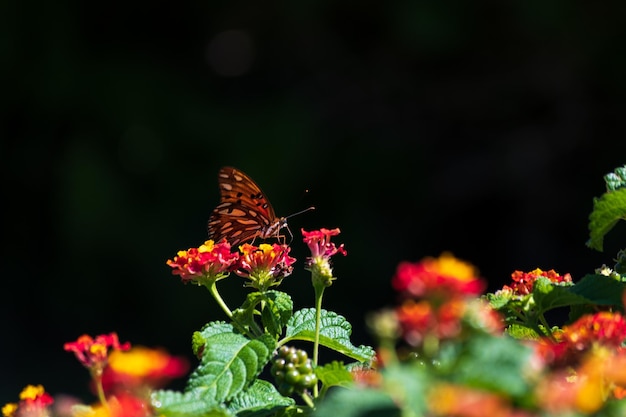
x=216, y=295
x=307, y=399
x=319, y=293
x=96, y=375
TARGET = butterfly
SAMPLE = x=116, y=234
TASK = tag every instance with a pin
x=244, y=212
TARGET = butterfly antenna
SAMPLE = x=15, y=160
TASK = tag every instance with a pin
x=300, y=212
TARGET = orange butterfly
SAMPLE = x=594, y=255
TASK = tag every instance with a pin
x=244, y=212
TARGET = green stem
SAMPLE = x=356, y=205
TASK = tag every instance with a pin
x=319, y=293
x=307, y=399
x=318, y=323
x=548, y=331
x=97, y=378
x=216, y=295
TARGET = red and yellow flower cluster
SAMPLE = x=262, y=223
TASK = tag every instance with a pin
x=34, y=402
x=523, y=282
x=439, y=293
x=123, y=377
x=264, y=265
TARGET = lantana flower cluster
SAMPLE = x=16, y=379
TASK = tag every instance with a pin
x=122, y=378
x=438, y=293
x=264, y=265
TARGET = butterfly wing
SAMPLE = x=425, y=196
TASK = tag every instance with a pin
x=243, y=213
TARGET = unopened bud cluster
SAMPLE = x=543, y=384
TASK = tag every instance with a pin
x=293, y=371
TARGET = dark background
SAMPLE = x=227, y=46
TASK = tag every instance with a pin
x=483, y=128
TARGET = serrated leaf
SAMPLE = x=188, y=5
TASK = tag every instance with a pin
x=230, y=361
x=607, y=211
x=198, y=339
x=517, y=331
x=334, y=374
x=548, y=295
x=258, y=400
x=277, y=311
x=178, y=404
x=335, y=333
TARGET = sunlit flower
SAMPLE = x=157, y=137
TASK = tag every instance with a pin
x=366, y=376
x=523, y=282
x=120, y=405
x=142, y=367
x=208, y=263
x=585, y=387
x=34, y=402
x=459, y=401
x=265, y=266
x=603, y=328
x=93, y=353
x=446, y=275
x=573, y=343
x=322, y=249
x=420, y=319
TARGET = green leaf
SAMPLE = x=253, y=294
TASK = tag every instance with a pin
x=198, y=340
x=334, y=333
x=277, y=312
x=548, y=295
x=258, y=400
x=607, y=210
x=230, y=362
x=358, y=403
x=492, y=363
x=521, y=332
x=244, y=315
x=334, y=374
x=177, y=404
x=600, y=289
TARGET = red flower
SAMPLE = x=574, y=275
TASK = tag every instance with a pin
x=320, y=245
x=322, y=249
x=420, y=320
x=141, y=367
x=210, y=261
x=34, y=402
x=460, y=401
x=603, y=328
x=93, y=353
x=445, y=276
x=523, y=282
x=265, y=265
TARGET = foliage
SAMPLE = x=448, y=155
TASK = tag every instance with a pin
x=446, y=349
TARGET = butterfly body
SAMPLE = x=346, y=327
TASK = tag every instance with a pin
x=244, y=212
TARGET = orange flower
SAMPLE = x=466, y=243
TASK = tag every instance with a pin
x=34, y=402
x=523, y=282
x=419, y=320
x=142, y=367
x=457, y=401
x=603, y=328
x=209, y=262
x=443, y=276
x=93, y=353
x=265, y=265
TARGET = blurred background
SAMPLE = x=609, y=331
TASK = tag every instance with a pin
x=482, y=128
